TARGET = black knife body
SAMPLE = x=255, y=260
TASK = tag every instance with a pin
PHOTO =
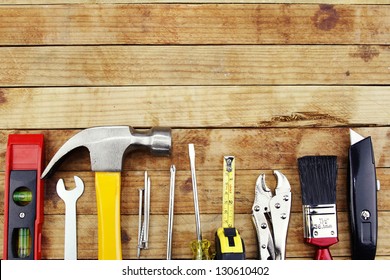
x=363, y=200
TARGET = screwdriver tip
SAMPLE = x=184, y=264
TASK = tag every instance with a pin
x=191, y=150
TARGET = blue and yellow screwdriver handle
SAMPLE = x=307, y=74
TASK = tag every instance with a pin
x=228, y=242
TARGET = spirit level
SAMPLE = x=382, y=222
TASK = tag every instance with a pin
x=23, y=197
x=229, y=245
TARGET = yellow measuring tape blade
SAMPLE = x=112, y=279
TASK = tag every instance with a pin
x=228, y=192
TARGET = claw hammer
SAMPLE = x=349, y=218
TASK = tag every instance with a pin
x=107, y=146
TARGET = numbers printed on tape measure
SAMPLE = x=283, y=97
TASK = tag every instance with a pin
x=228, y=192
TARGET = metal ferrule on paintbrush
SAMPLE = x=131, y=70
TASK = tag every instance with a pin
x=320, y=224
x=318, y=175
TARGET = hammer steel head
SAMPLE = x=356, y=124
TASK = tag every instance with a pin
x=108, y=145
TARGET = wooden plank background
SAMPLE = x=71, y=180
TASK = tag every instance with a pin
x=265, y=80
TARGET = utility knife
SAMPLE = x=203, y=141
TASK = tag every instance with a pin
x=362, y=198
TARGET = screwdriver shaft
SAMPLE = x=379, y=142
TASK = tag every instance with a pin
x=140, y=209
x=171, y=212
x=195, y=191
x=146, y=210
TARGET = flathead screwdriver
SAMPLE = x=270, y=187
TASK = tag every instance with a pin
x=200, y=247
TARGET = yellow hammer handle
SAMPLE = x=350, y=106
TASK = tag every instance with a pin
x=108, y=189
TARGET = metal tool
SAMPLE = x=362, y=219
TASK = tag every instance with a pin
x=140, y=222
x=228, y=242
x=107, y=146
x=144, y=216
x=70, y=198
x=271, y=215
x=23, y=197
x=362, y=198
x=200, y=247
x=145, y=239
x=171, y=211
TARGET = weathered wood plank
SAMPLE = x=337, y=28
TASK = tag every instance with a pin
x=184, y=231
x=194, y=65
x=254, y=148
x=194, y=24
x=210, y=191
x=209, y=203
x=195, y=106
x=261, y=125
x=40, y=2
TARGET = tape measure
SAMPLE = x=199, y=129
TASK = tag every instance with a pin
x=228, y=192
x=228, y=243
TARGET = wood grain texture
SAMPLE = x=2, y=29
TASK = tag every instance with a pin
x=209, y=155
x=266, y=81
x=184, y=232
x=256, y=149
x=194, y=24
x=40, y=2
x=194, y=106
x=194, y=65
x=210, y=189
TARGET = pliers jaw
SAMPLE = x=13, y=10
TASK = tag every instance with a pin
x=261, y=219
x=270, y=215
x=263, y=195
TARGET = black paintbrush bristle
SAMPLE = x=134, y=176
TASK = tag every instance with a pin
x=318, y=176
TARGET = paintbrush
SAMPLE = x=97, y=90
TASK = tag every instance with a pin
x=318, y=175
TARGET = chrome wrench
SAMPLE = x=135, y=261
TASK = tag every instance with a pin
x=70, y=198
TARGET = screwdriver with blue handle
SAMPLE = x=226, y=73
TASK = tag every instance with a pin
x=228, y=242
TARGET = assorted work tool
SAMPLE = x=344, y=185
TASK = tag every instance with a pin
x=23, y=197
x=107, y=146
x=70, y=198
x=271, y=215
x=318, y=175
x=363, y=187
x=23, y=192
x=228, y=242
x=143, y=216
x=171, y=211
x=200, y=247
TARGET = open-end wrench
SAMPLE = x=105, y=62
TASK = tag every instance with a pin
x=70, y=198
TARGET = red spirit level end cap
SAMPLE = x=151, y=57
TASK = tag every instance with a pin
x=25, y=151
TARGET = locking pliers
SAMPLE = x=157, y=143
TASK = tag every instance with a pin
x=271, y=215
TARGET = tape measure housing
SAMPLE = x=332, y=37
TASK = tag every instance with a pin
x=229, y=245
